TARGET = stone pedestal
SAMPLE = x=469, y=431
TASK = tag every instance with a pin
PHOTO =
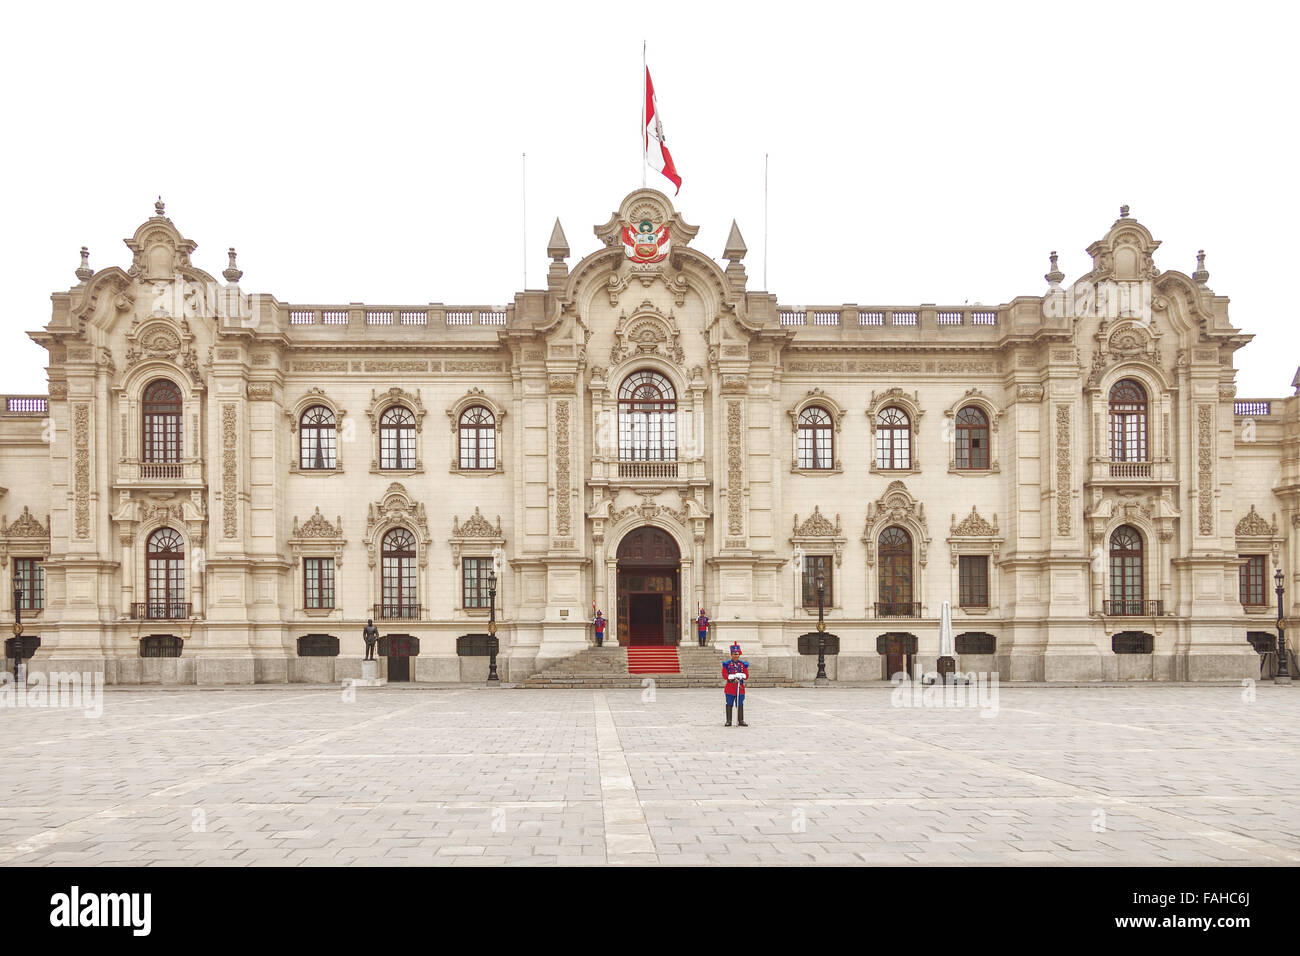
x=370, y=675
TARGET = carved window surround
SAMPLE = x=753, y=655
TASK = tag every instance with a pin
x=380, y=403
x=1256, y=536
x=474, y=538
x=26, y=537
x=397, y=509
x=317, y=538
x=311, y=398
x=974, y=536
x=817, y=536
x=973, y=397
x=911, y=405
x=818, y=398
x=475, y=396
x=126, y=427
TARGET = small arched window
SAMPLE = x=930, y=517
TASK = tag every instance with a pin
x=647, y=418
x=165, y=575
x=478, y=438
x=972, y=439
x=317, y=438
x=1126, y=571
x=161, y=410
x=397, y=438
x=401, y=598
x=893, y=439
x=1128, y=421
x=816, y=438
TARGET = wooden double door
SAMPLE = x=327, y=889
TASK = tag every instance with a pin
x=649, y=607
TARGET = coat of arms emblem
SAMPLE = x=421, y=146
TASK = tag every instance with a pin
x=646, y=244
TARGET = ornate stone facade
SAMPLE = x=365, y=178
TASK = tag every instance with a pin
x=568, y=468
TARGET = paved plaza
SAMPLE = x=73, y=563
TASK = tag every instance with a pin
x=1141, y=774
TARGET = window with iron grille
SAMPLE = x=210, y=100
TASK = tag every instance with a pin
x=317, y=439
x=973, y=580
x=397, y=438
x=817, y=568
x=475, y=582
x=1126, y=588
x=478, y=439
x=972, y=439
x=161, y=420
x=894, y=549
x=893, y=439
x=815, y=436
x=1252, y=580
x=1132, y=642
x=160, y=645
x=318, y=645
x=29, y=580
x=1128, y=421
x=400, y=590
x=165, y=573
x=318, y=583
x=647, y=418
x=975, y=642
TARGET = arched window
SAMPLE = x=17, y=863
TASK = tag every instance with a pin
x=397, y=438
x=1128, y=421
x=478, y=438
x=972, y=439
x=647, y=418
x=1126, y=592
x=317, y=438
x=165, y=575
x=895, y=552
x=161, y=409
x=816, y=441
x=893, y=439
x=401, y=597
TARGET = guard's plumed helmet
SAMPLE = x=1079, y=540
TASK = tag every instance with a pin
x=735, y=648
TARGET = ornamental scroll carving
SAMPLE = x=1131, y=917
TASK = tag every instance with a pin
x=475, y=527
x=647, y=332
x=25, y=526
x=1064, y=492
x=973, y=535
x=1204, y=469
x=317, y=526
x=973, y=525
x=897, y=506
x=81, y=469
x=229, y=471
x=396, y=509
x=817, y=534
x=1254, y=525
x=563, y=515
x=735, y=471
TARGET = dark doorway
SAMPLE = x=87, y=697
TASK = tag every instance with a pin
x=898, y=651
x=649, y=589
x=399, y=651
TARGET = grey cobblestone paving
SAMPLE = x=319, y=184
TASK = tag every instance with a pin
x=1148, y=774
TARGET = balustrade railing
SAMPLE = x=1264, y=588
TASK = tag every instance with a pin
x=647, y=469
x=1130, y=469
x=161, y=470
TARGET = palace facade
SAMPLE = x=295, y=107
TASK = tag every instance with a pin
x=223, y=487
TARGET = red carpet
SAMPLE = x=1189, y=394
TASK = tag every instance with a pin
x=653, y=660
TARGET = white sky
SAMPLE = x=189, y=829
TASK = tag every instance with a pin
x=371, y=152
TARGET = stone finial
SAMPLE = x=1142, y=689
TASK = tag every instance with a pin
x=1200, y=276
x=1295, y=382
x=159, y=207
x=232, y=272
x=1123, y=212
x=1056, y=276
x=84, y=271
x=557, y=247
x=735, y=249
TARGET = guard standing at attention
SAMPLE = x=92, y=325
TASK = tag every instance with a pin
x=736, y=672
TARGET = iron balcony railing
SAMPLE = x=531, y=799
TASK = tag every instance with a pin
x=898, y=609
x=160, y=611
x=1135, y=608
x=397, y=612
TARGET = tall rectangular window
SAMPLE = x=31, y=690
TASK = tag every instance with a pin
x=318, y=583
x=817, y=566
x=474, y=581
x=973, y=580
x=29, y=580
x=1252, y=581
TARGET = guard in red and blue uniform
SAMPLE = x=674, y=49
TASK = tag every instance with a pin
x=599, y=624
x=736, y=672
x=702, y=627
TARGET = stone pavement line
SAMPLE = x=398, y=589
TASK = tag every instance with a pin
x=84, y=826
x=1195, y=828
x=627, y=835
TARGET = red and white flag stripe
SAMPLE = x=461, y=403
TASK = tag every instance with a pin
x=657, y=155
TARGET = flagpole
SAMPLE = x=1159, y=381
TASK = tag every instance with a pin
x=765, y=222
x=523, y=211
x=642, y=134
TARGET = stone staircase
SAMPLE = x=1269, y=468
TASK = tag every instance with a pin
x=607, y=667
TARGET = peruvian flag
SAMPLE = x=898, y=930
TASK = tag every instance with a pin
x=657, y=156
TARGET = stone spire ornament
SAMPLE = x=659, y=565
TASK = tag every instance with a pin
x=84, y=272
x=1056, y=276
x=557, y=247
x=232, y=272
x=159, y=208
x=734, y=252
x=1200, y=276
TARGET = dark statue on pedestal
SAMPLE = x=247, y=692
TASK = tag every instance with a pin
x=371, y=634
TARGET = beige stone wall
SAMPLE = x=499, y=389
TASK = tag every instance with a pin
x=549, y=365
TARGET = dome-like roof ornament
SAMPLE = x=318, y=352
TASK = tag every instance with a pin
x=232, y=272
x=159, y=208
x=1200, y=276
x=1056, y=276
x=84, y=272
x=1123, y=212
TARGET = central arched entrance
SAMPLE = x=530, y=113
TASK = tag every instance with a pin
x=649, y=588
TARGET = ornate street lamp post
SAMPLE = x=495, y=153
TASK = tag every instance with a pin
x=1283, y=672
x=492, y=626
x=18, y=633
x=821, y=632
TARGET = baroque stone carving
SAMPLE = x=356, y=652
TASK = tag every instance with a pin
x=647, y=332
x=817, y=525
x=25, y=526
x=81, y=473
x=973, y=525
x=562, y=505
x=735, y=470
x=1254, y=525
x=395, y=508
x=1064, y=493
x=1205, y=469
x=260, y=391
x=229, y=471
x=475, y=527
x=320, y=366
x=317, y=526
x=896, y=506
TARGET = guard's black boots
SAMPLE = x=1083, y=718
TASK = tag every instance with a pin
x=728, y=723
x=740, y=716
